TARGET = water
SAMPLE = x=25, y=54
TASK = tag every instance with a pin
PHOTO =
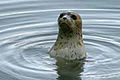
x=28, y=28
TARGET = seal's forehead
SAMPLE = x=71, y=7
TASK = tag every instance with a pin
x=70, y=13
x=74, y=13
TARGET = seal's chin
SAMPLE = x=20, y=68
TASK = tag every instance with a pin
x=65, y=27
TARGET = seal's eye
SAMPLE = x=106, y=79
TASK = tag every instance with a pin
x=73, y=17
x=61, y=15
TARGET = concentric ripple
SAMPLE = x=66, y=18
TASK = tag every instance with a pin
x=28, y=29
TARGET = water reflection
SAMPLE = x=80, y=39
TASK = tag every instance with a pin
x=69, y=70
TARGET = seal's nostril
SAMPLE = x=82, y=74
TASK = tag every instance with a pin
x=64, y=18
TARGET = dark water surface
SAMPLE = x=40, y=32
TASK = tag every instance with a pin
x=28, y=28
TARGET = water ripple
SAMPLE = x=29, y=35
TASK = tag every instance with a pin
x=28, y=29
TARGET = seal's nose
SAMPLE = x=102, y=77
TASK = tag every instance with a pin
x=64, y=18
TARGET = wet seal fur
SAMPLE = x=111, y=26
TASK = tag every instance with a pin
x=69, y=44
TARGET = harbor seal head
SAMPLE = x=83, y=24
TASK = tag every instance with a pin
x=69, y=44
x=70, y=24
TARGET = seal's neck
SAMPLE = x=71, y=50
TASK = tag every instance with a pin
x=68, y=41
x=70, y=37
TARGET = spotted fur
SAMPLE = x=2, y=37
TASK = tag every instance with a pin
x=69, y=44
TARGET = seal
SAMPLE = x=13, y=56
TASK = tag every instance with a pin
x=69, y=44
